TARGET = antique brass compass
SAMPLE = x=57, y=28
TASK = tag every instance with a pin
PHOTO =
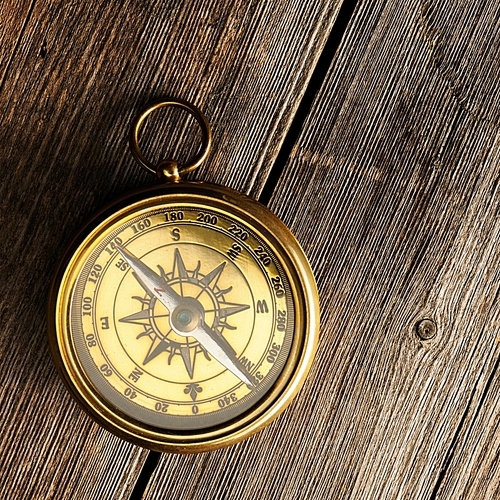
x=184, y=317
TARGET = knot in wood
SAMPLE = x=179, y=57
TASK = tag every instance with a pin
x=426, y=329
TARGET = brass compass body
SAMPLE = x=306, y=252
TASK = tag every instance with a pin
x=184, y=317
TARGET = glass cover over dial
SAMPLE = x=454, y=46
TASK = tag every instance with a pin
x=181, y=321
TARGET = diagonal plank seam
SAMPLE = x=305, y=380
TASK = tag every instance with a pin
x=344, y=16
x=147, y=470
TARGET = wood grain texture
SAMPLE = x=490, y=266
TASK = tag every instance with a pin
x=393, y=190
x=73, y=75
x=408, y=231
x=11, y=31
x=473, y=468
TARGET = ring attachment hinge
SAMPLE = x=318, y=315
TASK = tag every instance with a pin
x=169, y=170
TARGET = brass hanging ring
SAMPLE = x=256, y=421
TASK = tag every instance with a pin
x=162, y=103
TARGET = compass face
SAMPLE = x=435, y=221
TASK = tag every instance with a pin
x=181, y=321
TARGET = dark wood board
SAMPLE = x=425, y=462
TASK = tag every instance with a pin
x=72, y=77
x=392, y=188
x=473, y=468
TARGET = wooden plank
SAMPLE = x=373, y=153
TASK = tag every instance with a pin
x=49, y=448
x=473, y=468
x=66, y=110
x=12, y=30
x=412, y=224
x=392, y=188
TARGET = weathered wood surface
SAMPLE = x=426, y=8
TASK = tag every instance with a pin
x=405, y=135
x=392, y=187
x=72, y=76
x=473, y=468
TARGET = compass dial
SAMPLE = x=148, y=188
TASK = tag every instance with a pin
x=182, y=322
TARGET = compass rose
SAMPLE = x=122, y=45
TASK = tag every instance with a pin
x=202, y=294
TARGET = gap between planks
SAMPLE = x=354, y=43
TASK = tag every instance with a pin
x=344, y=16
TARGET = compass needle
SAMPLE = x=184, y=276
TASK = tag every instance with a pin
x=212, y=343
x=151, y=282
x=181, y=307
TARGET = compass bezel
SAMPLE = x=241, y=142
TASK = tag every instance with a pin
x=304, y=294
